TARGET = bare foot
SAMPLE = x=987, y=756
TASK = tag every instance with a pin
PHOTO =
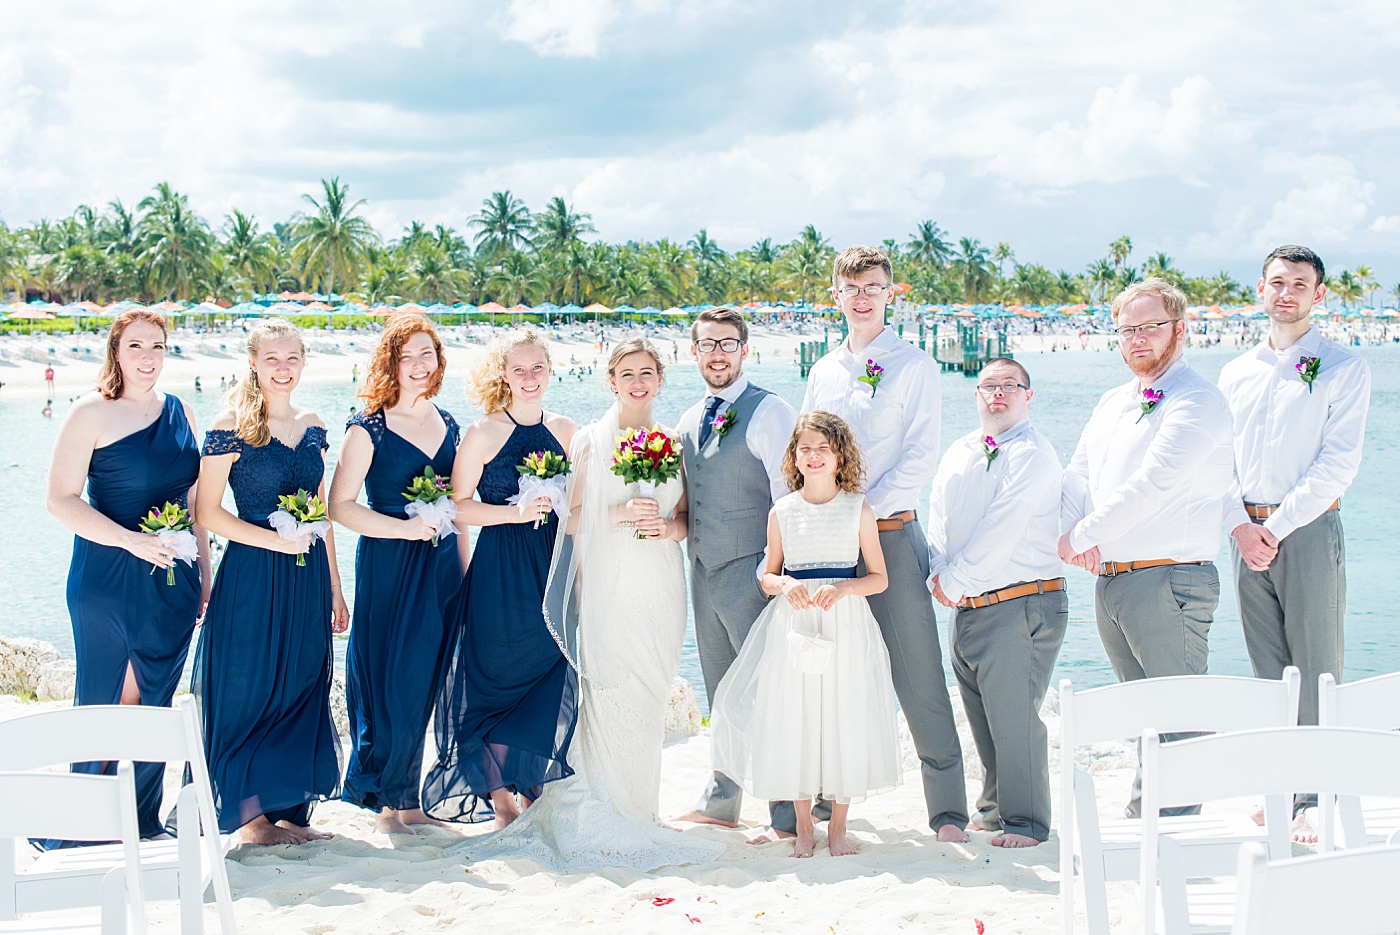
x=952, y=834
x=1257, y=816
x=700, y=818
x=503, y=802
x=771, y=835
x=1303, y=832
x=264, y=833
x=391, y=822
x=305, y=832
x=1008, y=839
x=805, y=845
x=839, y=845
x=416, y=816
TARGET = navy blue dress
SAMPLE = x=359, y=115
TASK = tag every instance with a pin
x=398, y=637
x=123, y=613
x=509, y=700
x=262, y=669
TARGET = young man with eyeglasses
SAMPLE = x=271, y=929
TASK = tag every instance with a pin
x=732, y=445
x=1299, y=403
x=888, y=391
x=994, y=518
x=1144, y=494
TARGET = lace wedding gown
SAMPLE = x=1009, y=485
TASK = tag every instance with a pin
x=625, y=640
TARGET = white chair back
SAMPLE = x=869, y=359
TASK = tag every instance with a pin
x=1347, y=891
x=1116, y=712
x=1372, y=703
x=76, y=807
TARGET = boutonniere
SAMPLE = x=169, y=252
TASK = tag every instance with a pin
x=990, y=449
x=874, y=373
x=722, y=423
x=1150, y=399
x=1307, y=368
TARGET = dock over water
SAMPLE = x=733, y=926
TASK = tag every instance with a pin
x=962, y=347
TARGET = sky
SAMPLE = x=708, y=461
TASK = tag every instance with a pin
x=1210, y=131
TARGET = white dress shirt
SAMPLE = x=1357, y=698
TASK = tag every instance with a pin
x=896, y=425
x=768, y=432
x=1152, y=486
x=1293, y=448
x=998, y=524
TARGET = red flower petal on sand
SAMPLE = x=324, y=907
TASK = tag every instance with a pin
x=662, y=901
x=980, y=927
x=694, y=920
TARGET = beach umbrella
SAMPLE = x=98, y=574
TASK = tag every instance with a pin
x=245, y=310
x=596, y=309
x=381, y=310
x=412, y=308
x=570, y=310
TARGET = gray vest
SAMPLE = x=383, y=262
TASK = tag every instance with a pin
x=727, y=486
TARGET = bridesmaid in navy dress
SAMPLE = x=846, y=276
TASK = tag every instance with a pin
x=263, y=665
x=402, y=579
x=509, y=700
x=135, y=448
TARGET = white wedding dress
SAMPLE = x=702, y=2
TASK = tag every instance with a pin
x=625, y=639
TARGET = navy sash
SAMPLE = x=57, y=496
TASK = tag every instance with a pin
x=805, y=574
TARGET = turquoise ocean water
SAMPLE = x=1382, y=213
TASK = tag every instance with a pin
x=35, y=548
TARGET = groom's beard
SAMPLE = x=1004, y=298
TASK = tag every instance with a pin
x=718, y=381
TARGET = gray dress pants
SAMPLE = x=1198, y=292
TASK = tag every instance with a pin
x=1155, y=622
x=1003, y=656
x=910, y=630
x=726, y=601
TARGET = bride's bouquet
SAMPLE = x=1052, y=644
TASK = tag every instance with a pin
x=430, y=496
x=543, y=474
x=301, y=514
x=171, y=524
x=647, y=459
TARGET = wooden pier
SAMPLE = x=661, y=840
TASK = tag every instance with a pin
x=964, y=349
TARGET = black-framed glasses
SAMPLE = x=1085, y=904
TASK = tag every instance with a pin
x=851, y=292
x=1005, y=389
x=728, y=345
x=1147, y=329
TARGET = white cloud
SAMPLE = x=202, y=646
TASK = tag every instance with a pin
x=1326, y=209
x=564, y=28
x=1386, y=224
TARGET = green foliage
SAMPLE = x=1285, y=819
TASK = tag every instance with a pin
x=428, y=487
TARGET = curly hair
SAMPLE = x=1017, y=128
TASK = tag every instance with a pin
x=635, y=346
x=487, y=387
x=246, y=399
x=110, y=382
x=382, y=381
x=850, y=470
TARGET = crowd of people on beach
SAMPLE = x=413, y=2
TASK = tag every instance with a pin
x=542, y=658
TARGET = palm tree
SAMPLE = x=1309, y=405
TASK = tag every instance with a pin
x=386, y=280
x=1347, y=286
x=250, y=255
x=14, y=263
x=118, y=229
x=1000, y=254
x=928, y=246
x=559, y=226
x=176, y=246
x=972, y=266
x=515, y=278
x=330, y=245
x=503, y=224
x=1367, y=281
x=1119, y=249
x=1160, y=266
x=805, y=264
x=1101, y=275
x=435, y=278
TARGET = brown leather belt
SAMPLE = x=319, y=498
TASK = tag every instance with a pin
x=897, y=521
x=1117, y=568
x=1011, y=593
x=1265, y=510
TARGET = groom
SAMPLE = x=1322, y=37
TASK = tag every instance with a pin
x=732, y=443
x=887, y=389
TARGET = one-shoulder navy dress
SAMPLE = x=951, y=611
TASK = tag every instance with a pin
x=262, y=669
x=397, y=636
x=122, y=612
x=509, y=701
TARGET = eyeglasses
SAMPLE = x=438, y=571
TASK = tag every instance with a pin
x=1148, y=329
x=1006, y=389
x=851, y=292
x=728, y=345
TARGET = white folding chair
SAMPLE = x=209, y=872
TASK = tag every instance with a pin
x=1374, y=704
x=180, y=869
x=74, y=807
x=1104, y=853
x=1318, y=895
x=1274, y=763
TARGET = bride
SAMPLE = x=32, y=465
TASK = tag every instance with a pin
x=616, y=603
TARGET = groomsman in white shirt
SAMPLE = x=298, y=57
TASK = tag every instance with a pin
x=1299, y=403
x=887, y=390
x=1144, y=494
x=994, y=518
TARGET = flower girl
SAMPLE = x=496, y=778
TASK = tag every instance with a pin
x=808, y=707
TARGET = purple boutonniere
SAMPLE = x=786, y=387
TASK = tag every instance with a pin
x=990, y=449
x=1307, y=368
x=1150, y=399
x=874, y=373
x=722, y=423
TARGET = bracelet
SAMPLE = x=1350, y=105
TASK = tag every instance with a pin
x=626, y=524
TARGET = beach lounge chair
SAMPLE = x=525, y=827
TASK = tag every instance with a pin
x=1273, y=763
x=172, y=869
x=72, y=807
x=1374, y=704
x=1106, y=852
x=1339, y=892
